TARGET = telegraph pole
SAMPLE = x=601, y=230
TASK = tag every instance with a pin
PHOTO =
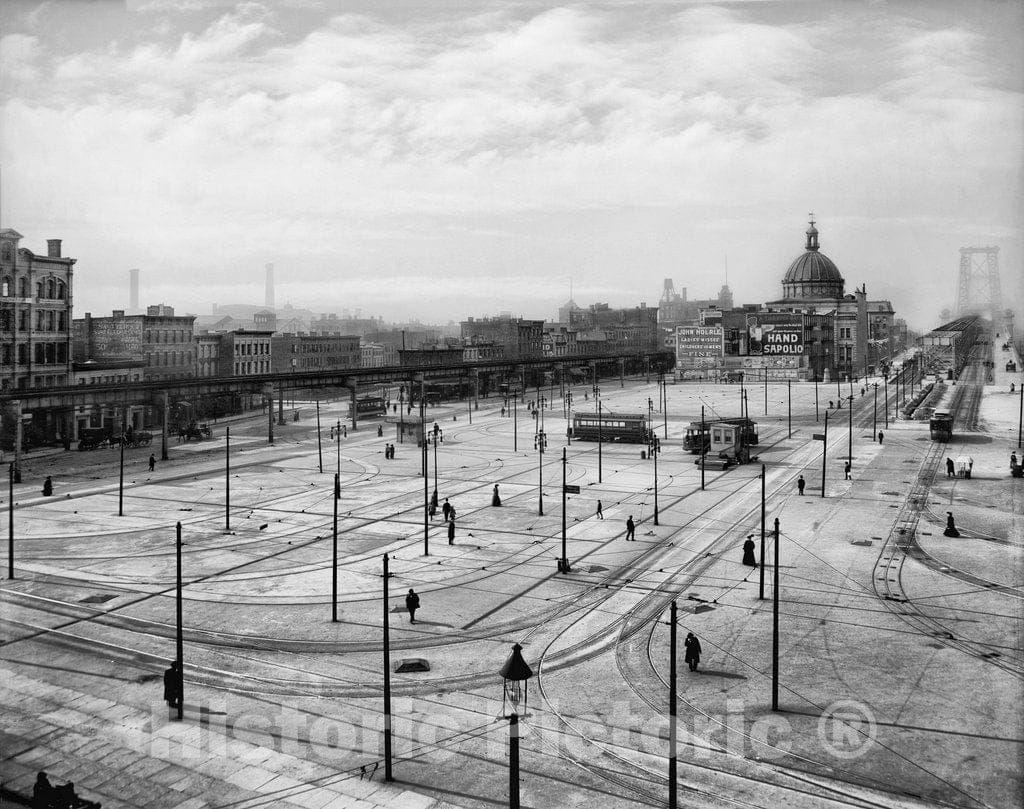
x=824, y=454
x=672, y=721
x=387, y=679
x=319, y=438
x=227, y=478
x=775, y=625
x=761, y=592
x=702, y=450
x=180, y=641
x=334, y=557
x=10, y=521
x=564, y=565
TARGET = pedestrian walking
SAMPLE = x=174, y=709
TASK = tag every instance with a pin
x=950, y=526
x=846, y=470
x=412, y=603
x=451, y=532
x=451, y=513
x=380, y=431
x=432, y=510
x=152, y=462
x=172, y=685
x=47, y=486
x=692, y=646
x=950, y=468
x=748, y=552
x=1013, y=460
x=970, y=466
x=344, y=431
x=600, y=511
x=800, y=484
x=831, y=404
x=881, y=436
x=495, y=499
x=630, y=528
x=446, y=509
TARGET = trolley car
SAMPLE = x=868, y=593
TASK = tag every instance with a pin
x=698, y=434
x=371, y=406
x=625, y=427
x=941, y=425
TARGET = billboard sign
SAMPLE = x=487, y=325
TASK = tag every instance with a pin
x=774, y=339
x=699, y=346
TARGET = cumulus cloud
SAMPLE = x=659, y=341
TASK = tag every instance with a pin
x=365, y=146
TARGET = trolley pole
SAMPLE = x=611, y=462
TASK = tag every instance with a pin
x=179, y=639
x=886, y=397
x=775, y=625
x=789, y=405
x=1020, y=417
x=227, y=478
x=850, y=443
x=815, y=397
x=319, y=438
x=761, y=591
x=600, y=439
x=334, y=557
x=120, y=482
x=10, y=521
x=655, y=448
x=824, y=455
x=387, y=680
x=766, y=390
x=563, y=566
x=672, y=721
x=874, y=416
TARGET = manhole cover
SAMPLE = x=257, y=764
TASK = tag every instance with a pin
x=98, y=598
x=412, y=664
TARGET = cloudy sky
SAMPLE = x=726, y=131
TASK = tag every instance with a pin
x=446, y=158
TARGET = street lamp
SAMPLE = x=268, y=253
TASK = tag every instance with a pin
x=540, y=443
x=438, y=436
x=514, y=675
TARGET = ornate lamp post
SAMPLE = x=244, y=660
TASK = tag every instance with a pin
x=514, y=674
x=540, y=443
x=437, y=437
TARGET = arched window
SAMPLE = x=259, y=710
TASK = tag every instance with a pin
x=6, y=287
x=39, y=289
x=51, y=289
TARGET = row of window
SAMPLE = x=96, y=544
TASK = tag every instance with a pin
x=51, y=288
x=168, y=358
x=249, y=349
x=40, y=353
x=112, y=379
x=49, y=381
x=46, y=320
x=168, y=335
x=252, y=367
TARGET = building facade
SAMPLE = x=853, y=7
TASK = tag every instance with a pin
x=35, y=315
x=314, y=352
x=519, y=338
x=245, y=352
x=159, y=338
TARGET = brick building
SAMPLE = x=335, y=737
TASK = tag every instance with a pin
x=35, y=315
x=519, y=338
x=161, y=339
x=314, y=352
x=245, y=352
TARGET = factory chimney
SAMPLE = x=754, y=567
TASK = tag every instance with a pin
x=270, y=288
x=133, y=292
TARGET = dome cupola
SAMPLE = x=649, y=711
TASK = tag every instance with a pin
x=813, y=275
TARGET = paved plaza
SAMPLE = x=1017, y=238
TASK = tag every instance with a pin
x=900, y=653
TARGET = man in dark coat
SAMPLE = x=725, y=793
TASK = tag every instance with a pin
x=495, y=499
x=846, y=470
x=800, y=484
x=950, y=526
x=748, y=551
x=600, y=511
x=881, y=436
x=47, y=487
x=950, y=468
x=451, y=532
x=152, y=462
x=412, y=603
x=630, y=528
x=172, y=685
x=692, y=646
x=446, y=509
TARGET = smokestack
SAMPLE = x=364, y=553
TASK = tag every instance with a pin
x=53, y=248
x=133, y=293
x=270, y=287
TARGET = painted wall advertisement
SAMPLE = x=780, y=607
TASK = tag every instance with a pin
x=774, y=339
x=699, y=346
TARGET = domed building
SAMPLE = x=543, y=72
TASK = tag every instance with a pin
x=815, y=331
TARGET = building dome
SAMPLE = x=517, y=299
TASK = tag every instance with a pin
x=813, y=275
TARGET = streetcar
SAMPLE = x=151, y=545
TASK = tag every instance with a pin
x=371, y=406
x=628, y=428
x=941, y=425
x=728, y=442
x=698, y=434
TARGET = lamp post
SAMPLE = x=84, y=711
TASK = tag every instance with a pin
x=874, y=416
x=563, y=563
x=655, y=449
x=886, y=402
x=540, y=443
x=567, y=411
x=850, y=447
x=650, y=411
x=514, y=674
x=438, y=436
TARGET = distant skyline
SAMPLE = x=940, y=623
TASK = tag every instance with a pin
x=447, y=159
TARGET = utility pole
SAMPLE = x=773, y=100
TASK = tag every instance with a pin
x=775, y=625
x=319, y=437
x=10, y=521
x=761, y=591
x=180, y=641
x=120, y=482
x=387, y=679
x=563, y=566
x=227, y=478
x=703, y=452
x=789, y=403
x=824, y=454
x=673, y=728
x=334, y=558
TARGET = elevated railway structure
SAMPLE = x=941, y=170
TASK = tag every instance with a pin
x=158, y=394
x=947, y=349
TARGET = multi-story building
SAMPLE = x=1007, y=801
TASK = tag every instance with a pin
x=35, y=315
x=314, y=352
x=207, y=354
x=109, y=416
x=624, y=330
x=245, y=352
x=519, y=337
x=675, y=309
x=377, y=355
x=160, y=338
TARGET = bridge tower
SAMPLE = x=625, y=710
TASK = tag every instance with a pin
x=978, y=291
